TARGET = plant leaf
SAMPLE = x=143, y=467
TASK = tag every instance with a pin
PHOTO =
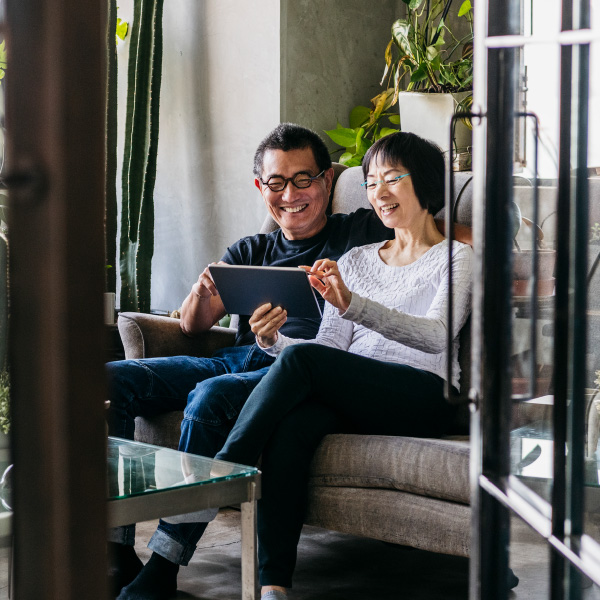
x=394, y=119
x=419, y=74
x=350, y=159
x=122, y=28
x=401, y=30
x=387, y=130
x=465, y=7
x=359, y=115
x=343, y=136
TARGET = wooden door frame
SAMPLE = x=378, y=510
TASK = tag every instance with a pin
x=55, y=98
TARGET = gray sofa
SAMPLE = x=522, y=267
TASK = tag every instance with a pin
x=403, y=490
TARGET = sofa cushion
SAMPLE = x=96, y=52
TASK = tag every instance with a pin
x=438, y=468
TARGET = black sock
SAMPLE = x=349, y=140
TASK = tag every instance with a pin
x=156, y=581
x=512, y=581
x=123, y=566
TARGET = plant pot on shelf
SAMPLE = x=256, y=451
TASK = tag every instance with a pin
x=522, y=270
x=429, y=115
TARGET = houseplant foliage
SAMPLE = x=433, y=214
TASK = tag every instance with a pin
x=366, y=127
x=424, y=49
x=139, y=160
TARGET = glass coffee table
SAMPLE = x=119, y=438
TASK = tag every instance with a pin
x=147, y=482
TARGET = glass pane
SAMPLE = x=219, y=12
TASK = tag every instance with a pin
x=529, y=558
x=135, y=469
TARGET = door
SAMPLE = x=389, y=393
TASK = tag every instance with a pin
x=535, y=465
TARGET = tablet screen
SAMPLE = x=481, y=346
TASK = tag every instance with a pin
x=244, y=288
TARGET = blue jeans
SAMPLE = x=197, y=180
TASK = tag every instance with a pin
x=309, y=392
x=211, y=391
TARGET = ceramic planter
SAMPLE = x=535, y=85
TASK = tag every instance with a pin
x=428, y=115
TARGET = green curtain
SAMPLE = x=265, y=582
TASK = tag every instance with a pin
x=139, y=160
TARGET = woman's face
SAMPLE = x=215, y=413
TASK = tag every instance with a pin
x=392, y=195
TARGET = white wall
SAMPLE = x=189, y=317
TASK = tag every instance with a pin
x=219, y=97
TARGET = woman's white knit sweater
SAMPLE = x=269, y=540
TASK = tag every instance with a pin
x=398, y=314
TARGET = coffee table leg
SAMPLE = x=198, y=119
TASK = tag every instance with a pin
x=249, y=560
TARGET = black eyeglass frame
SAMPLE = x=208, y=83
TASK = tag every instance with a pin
x=287, y=180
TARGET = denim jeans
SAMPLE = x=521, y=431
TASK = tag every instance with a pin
x=309, y=392
x=211, y=391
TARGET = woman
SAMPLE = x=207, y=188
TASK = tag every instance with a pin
x=377, y=365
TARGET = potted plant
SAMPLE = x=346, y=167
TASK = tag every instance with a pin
x=435, y=68
x=367, y=125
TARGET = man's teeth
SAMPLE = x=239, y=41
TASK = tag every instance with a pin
x=388, y=208
x=294, y=209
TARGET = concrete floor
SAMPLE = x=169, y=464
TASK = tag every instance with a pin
x=333, y=566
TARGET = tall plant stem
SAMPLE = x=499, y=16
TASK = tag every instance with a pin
x=110, y=189
x=139, y=160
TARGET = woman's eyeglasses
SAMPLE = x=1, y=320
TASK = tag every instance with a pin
x=371, y=185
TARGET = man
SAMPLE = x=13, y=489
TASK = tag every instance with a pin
x=293, y=172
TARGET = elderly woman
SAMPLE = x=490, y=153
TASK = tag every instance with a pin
x=377, y=365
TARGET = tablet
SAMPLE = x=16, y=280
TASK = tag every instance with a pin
x=244, y=288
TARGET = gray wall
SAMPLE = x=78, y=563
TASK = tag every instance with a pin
x=332, y=58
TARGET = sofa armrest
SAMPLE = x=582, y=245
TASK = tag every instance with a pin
x=148, y=336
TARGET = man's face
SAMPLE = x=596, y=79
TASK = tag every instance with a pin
x=299, y=212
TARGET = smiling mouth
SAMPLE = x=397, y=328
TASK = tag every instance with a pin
x=388, y=208
x=294, y=209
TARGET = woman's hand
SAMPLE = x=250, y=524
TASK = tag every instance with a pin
x=265, y=322
x=325, y=277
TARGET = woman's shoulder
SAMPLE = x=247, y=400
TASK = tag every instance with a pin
x=359, y=253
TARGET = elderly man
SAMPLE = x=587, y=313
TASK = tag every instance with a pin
x=293, y=172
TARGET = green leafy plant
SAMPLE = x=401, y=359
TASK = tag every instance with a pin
x=122, y=29
x=2, y=59
x=4, y=402
x=365, y=129
x=424, y=48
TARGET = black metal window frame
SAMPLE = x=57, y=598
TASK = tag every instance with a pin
x=497, y=493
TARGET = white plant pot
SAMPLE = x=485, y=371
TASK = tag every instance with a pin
x=428, y=115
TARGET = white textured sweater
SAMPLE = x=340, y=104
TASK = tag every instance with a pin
x=398, y=314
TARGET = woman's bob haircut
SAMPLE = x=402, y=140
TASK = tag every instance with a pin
x=421, y=158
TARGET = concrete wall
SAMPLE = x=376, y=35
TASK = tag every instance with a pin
x=332, y=58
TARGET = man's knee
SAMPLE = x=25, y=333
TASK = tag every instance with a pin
x=216, y=401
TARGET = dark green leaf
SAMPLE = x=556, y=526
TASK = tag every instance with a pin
x=343, y=136
x=419, y=74
x=359, y=115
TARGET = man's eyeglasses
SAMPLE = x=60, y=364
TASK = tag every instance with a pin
x=371, y=185
x=300, y=180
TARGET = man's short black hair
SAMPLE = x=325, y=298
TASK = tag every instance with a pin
x=421, y=158
x=288, y=136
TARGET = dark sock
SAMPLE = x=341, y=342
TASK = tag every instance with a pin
x=123, y=566
x=156, y=581
x=512, y=581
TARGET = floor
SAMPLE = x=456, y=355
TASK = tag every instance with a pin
x=334, y=566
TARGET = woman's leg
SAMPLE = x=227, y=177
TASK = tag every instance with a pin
x=342, y=392
x=382, y=398
x=285, y=469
